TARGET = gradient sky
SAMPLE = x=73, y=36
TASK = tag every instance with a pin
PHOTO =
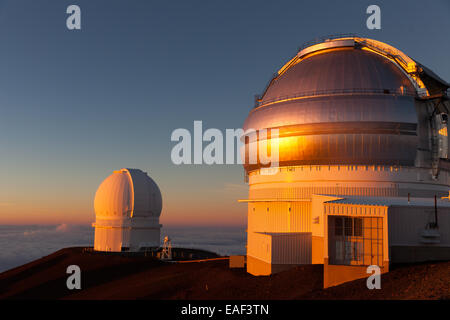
x=76, y=105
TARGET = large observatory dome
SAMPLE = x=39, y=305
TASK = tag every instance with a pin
x=343, y=101
x=346, y=117
x=128, y=193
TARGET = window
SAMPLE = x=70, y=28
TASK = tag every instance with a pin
x=339, y=255
x=357, y=227
x=357, y=251
x=338, y=226
x=348, y=251
x=348, y=226
x=355, y=240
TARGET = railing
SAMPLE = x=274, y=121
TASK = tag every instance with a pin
x=395, y=54
x=201, y=260
x=402, y=91
x=404, y=61
x=325, y=39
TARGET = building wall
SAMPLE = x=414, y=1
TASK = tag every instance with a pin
x=317, y=213
x=144, y=237
x=111, y=238
x=259, y=246
x=405, y=227
x=291, y=199
x=301, y=182
x=317, y=255
x=407, y=223
x=291, y=248
x=289, y=218
x=278, y=249
x=279, y=216
x=127, y=234
x=317, y=226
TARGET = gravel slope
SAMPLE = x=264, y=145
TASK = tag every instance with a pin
x=118, y=277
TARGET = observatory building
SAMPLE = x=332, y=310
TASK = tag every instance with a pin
x=363, y=166
x=127, y=205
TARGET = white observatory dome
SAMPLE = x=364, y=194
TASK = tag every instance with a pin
x=128, y=193
x=127, y=206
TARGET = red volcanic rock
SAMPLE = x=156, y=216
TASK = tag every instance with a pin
x=114, y=276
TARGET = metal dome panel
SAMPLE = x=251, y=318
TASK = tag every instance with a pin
x=336, y=108
x=114, y=196
x=340, y=105
x=147, y=196
x=128, y=193
x=339, y=70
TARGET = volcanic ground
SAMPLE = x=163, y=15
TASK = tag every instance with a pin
x=109, y=276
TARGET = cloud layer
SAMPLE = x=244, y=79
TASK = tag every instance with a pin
x=22, y=244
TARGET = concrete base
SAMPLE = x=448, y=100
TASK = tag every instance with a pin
x=317, y=250
x=410, y=254
x=237, y=262
x=334, y=275
x=258, y=267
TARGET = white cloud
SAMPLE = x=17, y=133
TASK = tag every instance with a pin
x=22, y=244
x=62, y=228
x=58, y=229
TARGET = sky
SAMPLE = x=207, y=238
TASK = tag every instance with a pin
x=77, y=104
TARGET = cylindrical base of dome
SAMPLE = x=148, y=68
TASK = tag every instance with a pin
x=301, y=182
x=120, y=236
x=282, y=230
